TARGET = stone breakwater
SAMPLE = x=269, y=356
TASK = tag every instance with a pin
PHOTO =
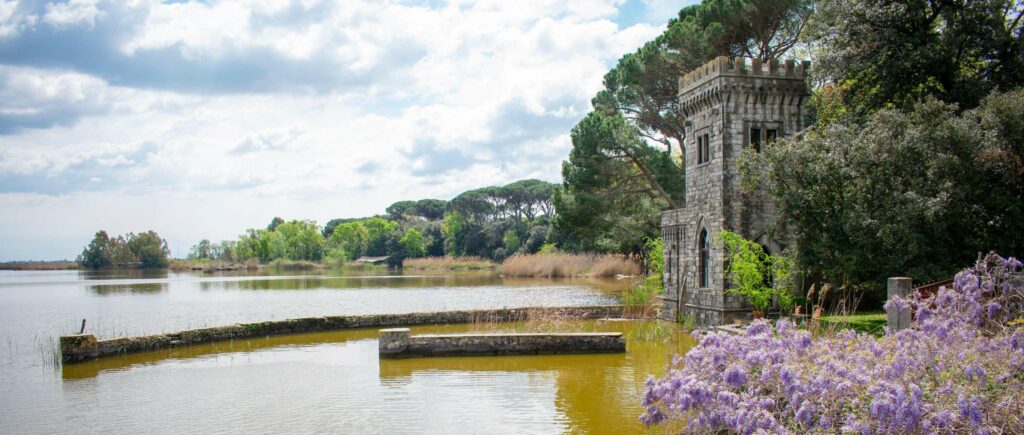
x=84, y=347
x=400, y=343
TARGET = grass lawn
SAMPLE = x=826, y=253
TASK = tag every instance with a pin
x=871, y=322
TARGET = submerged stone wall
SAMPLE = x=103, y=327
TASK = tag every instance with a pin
x=400, y=343
x=84, y=347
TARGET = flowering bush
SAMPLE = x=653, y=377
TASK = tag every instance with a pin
x=959, y=368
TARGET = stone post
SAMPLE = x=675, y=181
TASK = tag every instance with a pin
x=79, y=347
x=898, y=317
x=393, y=341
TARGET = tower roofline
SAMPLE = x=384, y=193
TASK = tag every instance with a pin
x=743, y=67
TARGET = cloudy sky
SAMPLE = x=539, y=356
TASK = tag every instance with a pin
x=199, y=119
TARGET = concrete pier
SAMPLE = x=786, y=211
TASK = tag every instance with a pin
x=400, y=343
x=84, y=347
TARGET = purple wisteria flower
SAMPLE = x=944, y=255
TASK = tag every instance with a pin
x=958, y=369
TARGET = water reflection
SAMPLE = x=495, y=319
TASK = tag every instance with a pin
x=329, y=382
x=123, y=274
x=116, y=289
x=547, y=393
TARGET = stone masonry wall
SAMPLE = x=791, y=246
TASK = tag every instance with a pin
x=725, y=98
x=84, y=347
x=400, y=343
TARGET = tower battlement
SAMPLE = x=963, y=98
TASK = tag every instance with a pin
x=743, y=67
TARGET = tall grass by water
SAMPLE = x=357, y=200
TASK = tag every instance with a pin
x=448, y=263
x=563, y=265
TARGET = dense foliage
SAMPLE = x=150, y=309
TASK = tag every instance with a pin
x=143, y=250
x=885, y=54
x=958, y=369
x=491, y=222
x=756, y=274
x=908, y=192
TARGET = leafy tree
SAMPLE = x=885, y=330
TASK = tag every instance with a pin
x=378, y=232
x=201, y=250
x=352, y=238
x=274, y=223
x=883, y=54
x=121, y=254
x=454, y=231
x=915, y=193
x=413, y=243
x=227, y=250
x=276, y=246
x=607, y=200
x=96, y=254
x=398, y=210
x=536, y=236
x=148, y=249
x=302, y=239
x=510, y=241
x=431, y=209
x=251, y=245
x=756, y=274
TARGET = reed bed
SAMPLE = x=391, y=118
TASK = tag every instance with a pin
x=211, y=265
x=38, y=265
x=539, y=320
x=562, y=265
x=448, y=263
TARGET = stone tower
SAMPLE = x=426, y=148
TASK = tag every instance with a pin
x=729, y=104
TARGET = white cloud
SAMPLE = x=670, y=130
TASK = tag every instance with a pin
x=432, y=101
x=72, y=13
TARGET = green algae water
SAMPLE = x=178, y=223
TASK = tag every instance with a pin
x=310, y=383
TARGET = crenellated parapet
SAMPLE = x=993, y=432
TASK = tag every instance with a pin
x=743, y=67
x=771, y=82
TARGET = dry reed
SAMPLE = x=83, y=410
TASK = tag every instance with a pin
x=559, y=265
x=447, y=263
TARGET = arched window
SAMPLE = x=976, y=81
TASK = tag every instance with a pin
x=705, y=258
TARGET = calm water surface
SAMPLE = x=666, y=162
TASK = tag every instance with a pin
x=323, y=382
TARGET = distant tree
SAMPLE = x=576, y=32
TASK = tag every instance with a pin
x=474, y=205
x=431, y=209
x=148, y=249
x=251, y=245
x=121, y=254
x=378, y=232
x=413, y=243
x=536, y=236
x=274, y=246
x=352, y=238
x=201, y=250
x=400, y=209
x=302, y=239
x=96, y=254
x=227, y=250
x=454, y=231
x=510, y=241
x=274, y=223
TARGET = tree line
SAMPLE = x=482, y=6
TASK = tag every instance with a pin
x=491, y=222
x=913, y=163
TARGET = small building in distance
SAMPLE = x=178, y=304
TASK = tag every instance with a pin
x=729, y=104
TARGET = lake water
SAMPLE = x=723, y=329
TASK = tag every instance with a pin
x=323, y=382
